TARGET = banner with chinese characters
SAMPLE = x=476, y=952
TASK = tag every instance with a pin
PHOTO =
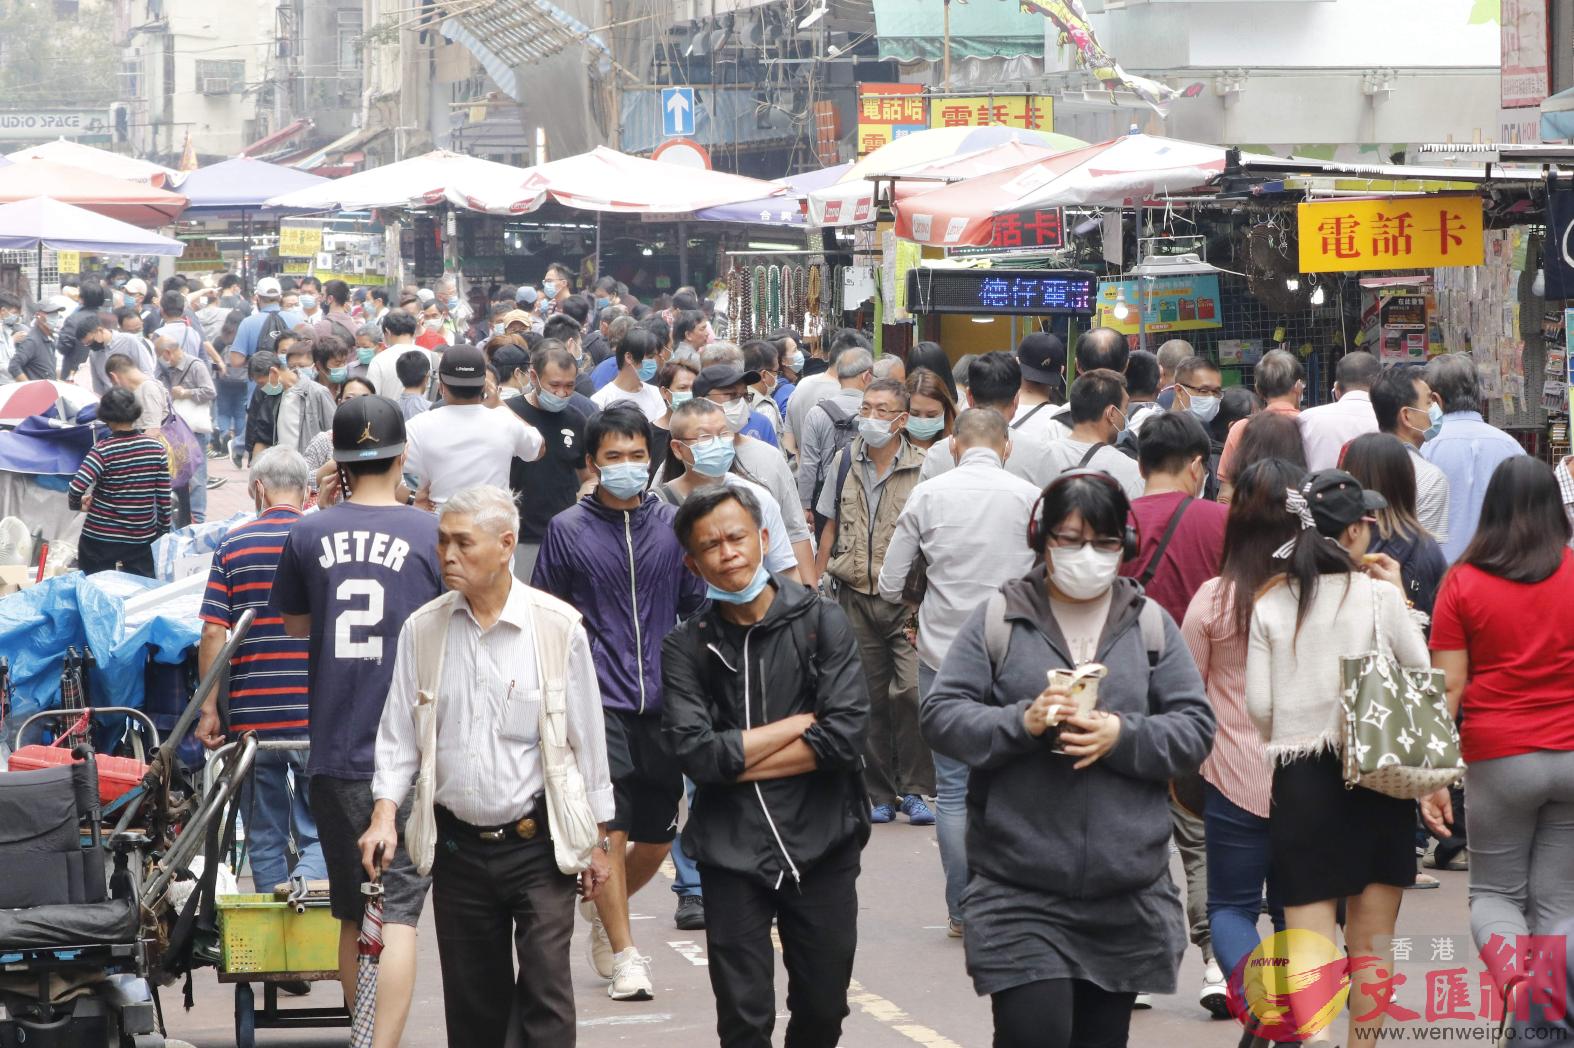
x=1168, y=304
x=300, y=239
x=889, y=111
x=1033, y=112
x=1390, y=233
x=1041, y=228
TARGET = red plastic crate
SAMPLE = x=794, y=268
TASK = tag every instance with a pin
x=116, y=775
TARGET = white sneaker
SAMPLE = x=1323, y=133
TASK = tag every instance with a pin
x=1144, y=1000
x=630, y=977
x=1215, y=992
x=599, y=947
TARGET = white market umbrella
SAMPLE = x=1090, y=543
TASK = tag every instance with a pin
x=420, y=181
x=102, y=161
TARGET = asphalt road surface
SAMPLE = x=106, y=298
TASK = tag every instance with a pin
x=910, y=987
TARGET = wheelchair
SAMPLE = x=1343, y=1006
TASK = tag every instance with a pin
x=95, y=917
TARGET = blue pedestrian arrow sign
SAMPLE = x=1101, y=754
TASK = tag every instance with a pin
x=677, y=111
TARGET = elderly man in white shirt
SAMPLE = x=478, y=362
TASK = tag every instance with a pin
x=496, y=883
x=1327, y=428
x=969, y=525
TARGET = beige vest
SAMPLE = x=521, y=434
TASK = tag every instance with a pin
x=860, y=548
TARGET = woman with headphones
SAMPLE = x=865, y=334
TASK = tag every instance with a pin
x=1070, y=910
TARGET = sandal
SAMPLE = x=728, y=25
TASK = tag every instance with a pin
x=1426, y=880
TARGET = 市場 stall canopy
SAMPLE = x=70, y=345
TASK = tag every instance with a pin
x=420, y=181
x=135, y=202
x=43, y=222
x=240, y=186
x=99, y=161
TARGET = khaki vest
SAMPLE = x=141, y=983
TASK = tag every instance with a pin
x=860, y=547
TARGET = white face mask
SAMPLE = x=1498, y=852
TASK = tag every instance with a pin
x=737, y=414
x=1204, y=408
x=876, y=432
x=1083, y=573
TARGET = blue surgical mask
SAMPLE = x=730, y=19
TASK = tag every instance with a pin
x=550, y=401
x=453, y=305
x=308, y=302
x=499, y=329
x=602, y=302
x=745, y=595
x=647, y=369
x=273, y=390
x=1434, y=414
x=681, y=396
x=365, y=354
x=1204, y=408
x=925, y=428
x=338, y=374
x=549, y=288
x=714, y=457
x=625, y=479
x=796, y=360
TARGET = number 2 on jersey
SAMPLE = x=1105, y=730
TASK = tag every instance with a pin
x=344, y=646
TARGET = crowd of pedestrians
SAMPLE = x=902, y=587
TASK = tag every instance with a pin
x=562, y=585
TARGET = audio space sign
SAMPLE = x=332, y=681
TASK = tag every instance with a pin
x=31, y=125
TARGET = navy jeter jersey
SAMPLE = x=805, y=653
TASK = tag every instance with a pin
x=359, y=571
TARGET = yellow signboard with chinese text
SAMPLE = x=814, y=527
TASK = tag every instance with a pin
x=300, y=241
x=1033, y=112
x=889, y=111
x=68, y=261
x=1390, y=233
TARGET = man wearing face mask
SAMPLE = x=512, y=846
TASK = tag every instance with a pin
x=337, y=321
x=192, y=393
x=35, y=354
x=556, y=286
x=549, y=485
x=266, y=371
x=966, y=525
x=1280, y=380
x=1403, y=405
x=614, y=557
x=1040, y=411
x=704, y=444
x=724, y=385
x=759, y=356
x=306, y=406
x=1327, y=428
x=637, y=363
x=869, y=483
x=1098, y=416
x=832, y=424
x=767, y=710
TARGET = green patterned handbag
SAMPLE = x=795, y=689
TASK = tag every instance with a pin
x=1398, y=737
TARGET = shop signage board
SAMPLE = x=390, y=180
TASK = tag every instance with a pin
x=1389, y=233
x=1032, y=112
x=1524, y=53
x=42, y=125
x=1041, y=228
x=1023, y=292
x=68, y=261
x=300, y=239
x=1168, y=303
x=889, y=111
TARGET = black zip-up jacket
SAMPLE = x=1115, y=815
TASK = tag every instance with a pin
x=800, y=658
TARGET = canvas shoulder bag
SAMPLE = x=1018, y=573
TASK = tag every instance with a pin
x=1398, y=736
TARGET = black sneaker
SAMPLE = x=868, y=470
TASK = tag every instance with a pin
x=296, y=987
x=691, y=913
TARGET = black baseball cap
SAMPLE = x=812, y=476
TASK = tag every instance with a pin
x=509, y=359
x=720, y=376
x=463, y=367
x=1042, y=357
x=366, y=429
x=1337, y=500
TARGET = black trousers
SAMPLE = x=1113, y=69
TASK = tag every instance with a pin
x=134, y=558
x=817, y=921
x=487, y=897
x=1061, y=1013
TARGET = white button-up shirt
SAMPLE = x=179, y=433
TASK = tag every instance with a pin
x=1327, y=428
x=488, y=768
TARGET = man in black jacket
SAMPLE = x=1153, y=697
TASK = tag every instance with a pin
x=767, y=710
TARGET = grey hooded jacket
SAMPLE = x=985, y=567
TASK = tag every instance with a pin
x=1031, y=819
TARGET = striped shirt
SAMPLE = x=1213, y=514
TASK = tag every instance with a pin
x=268, y=682
x=1238, y=766
x=129, y=476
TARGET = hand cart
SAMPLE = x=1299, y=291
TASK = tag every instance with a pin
x=269, y=938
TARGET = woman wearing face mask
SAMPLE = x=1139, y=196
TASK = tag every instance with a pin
x=1070, y=910
x=931, y=411
x=1330, y=842
x=676, y=382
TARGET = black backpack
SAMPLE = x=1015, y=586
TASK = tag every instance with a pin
x=845, y=428
x=273, y=326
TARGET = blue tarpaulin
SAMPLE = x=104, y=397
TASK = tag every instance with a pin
x=37, y=624
x=40, y=445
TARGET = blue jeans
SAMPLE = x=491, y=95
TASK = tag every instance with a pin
x=229, y=410
x=687, y=881
x=1238, y=862
x=271, y=809
x=950, y=812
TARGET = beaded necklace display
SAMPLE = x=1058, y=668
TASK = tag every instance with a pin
x=773, y=299
x=737, y=301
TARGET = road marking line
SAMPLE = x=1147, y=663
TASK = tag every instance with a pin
x=690, y=951
x=889, y=1014
x=627, y=1020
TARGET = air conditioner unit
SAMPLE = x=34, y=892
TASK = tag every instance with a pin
x=215, y=85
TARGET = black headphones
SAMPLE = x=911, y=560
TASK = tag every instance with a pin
x=1129, y=541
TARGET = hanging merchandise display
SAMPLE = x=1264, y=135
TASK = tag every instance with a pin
x=796, y=301
x=1479, y=312
x=787, y=294
x=773, y=300
x=814, y=302
x=758, y=297
x=737, y=301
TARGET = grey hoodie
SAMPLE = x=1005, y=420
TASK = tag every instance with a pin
x=1032, y=820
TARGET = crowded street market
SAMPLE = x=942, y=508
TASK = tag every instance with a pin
x=886, y=521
